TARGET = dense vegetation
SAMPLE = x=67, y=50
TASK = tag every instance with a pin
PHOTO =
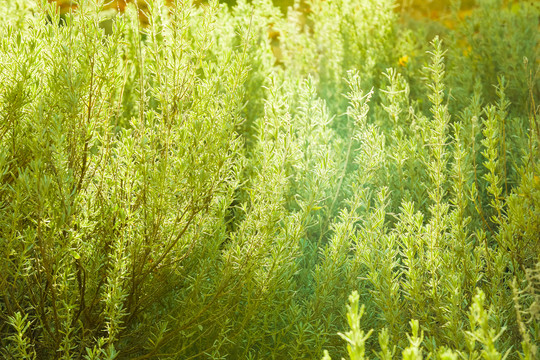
x=176, y=190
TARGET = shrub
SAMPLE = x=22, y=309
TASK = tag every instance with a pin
x=170, y=190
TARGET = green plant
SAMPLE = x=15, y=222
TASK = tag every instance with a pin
x=171, y=189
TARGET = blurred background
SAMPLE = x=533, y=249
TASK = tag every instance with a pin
x=416, y=8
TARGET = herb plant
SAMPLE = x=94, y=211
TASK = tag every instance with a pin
x=189, y=181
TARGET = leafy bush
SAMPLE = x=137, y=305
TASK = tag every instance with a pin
x=170, y=189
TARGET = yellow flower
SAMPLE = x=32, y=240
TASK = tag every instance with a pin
x=404, y=60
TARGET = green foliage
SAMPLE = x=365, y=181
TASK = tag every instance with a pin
x=175, y=190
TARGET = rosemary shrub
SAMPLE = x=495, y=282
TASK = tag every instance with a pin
x=172, y=190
